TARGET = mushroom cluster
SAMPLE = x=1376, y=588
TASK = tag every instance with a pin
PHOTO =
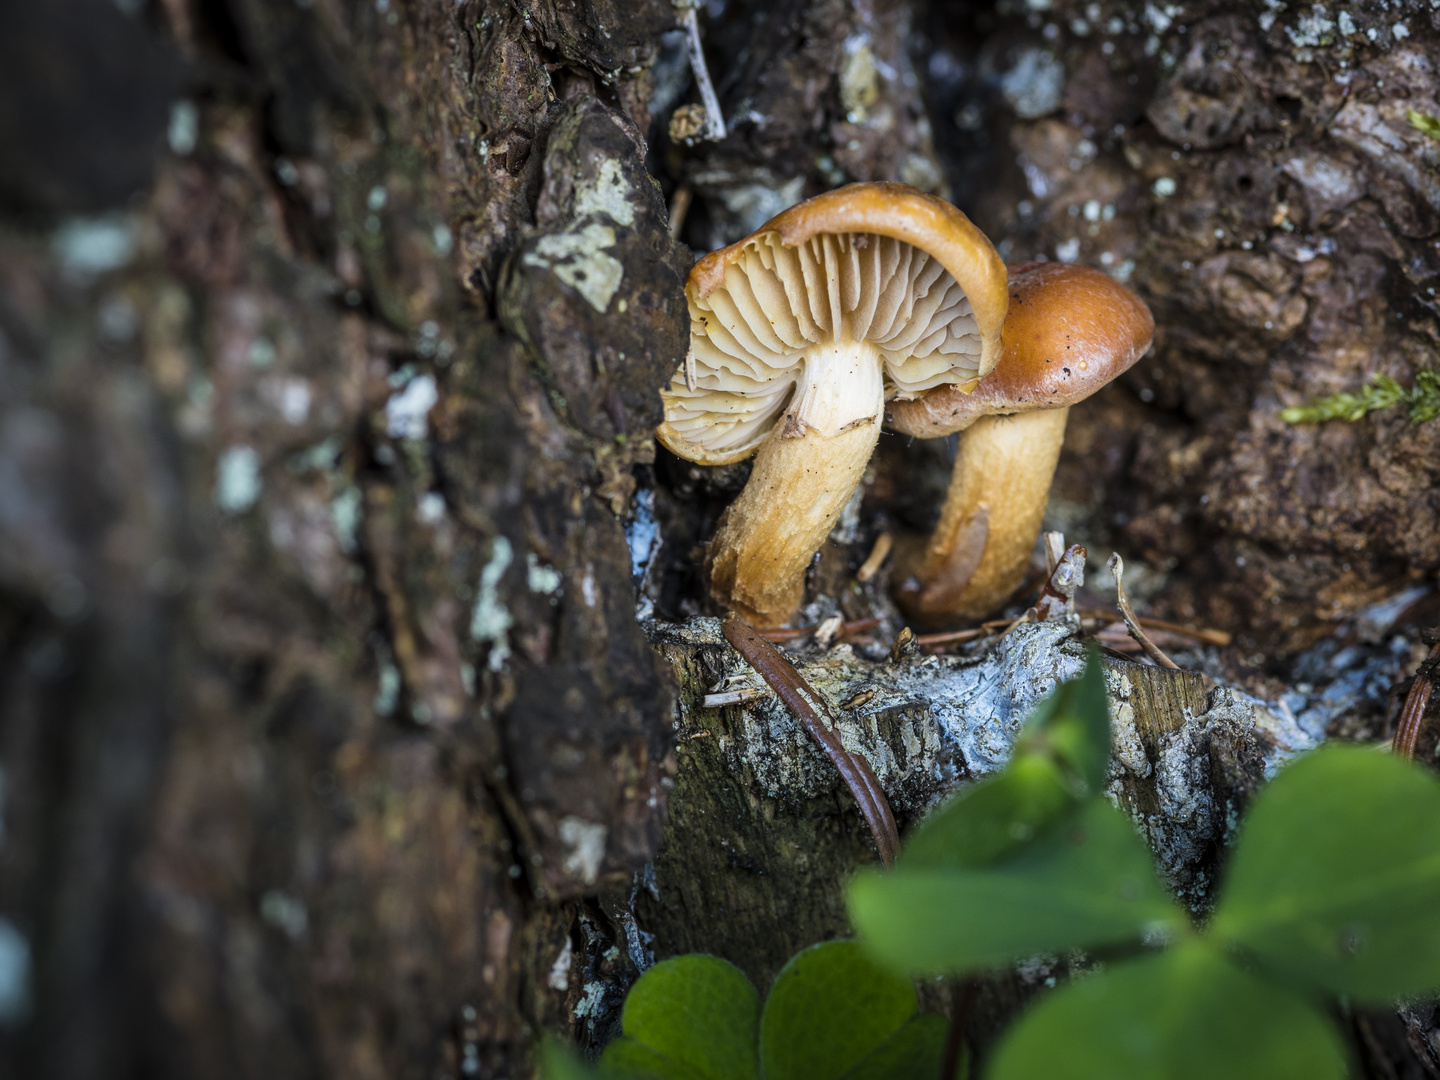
x=799, y=333
x=802, y=332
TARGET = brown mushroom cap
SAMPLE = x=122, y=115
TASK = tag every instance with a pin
x=1069, y=331
x=798, y=335
x=881, y=263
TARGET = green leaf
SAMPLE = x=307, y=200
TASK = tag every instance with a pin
x=1335, y=878
x=831, y=1007
x=625, y=1057
x=916, y=1050
x=991, y=818
x=1072, y=725
x=1089, y=882
x=697, y=1016
x=1186, y=1014
x=558, y=1062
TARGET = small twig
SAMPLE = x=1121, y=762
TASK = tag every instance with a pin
x=814, y=713
x=1407, y=730
x=828, y=631
x=1132, y=624
x=731, y=697
x=876, y=559
x=985, y=629
x=714, y=122
x=1210, y=637
x=846, y=629
x=962, y=1001
x=679, y=207
x=1054, y=551
x=1057, y=595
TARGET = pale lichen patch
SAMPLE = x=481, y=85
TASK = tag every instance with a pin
x=579, y=260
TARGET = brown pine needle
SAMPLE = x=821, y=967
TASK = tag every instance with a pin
x=815, y=715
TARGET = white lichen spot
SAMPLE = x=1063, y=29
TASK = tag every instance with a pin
x=491, y=620
x=237, y=479
x=592, y=1000
x=584, y=847
x=1164, y=187
x=755, y=204
x=184, y=130
x=1346, y=23
x=430, y=508
x=345, y=516
x=387, y=694
x=859, y=87
x=541, y=579
x=1035, y=85
x=587, y=587
x=609, y=194
x=579, y=260
x=407, y=413
x=284, y=912
x=15, y=974
x=90, y=246
x=1399, y=31
x=559, y=978
x=294, y=400
x=1313, y=28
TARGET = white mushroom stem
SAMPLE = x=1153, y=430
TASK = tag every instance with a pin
x=804, y=474
x=978, y=553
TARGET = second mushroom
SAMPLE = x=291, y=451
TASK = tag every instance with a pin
x=1068, y=332
x=799, y=334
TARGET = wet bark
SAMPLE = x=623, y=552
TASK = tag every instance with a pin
x=329, y=341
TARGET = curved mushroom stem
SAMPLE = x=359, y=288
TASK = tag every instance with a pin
x=799, y=486
x=977, y=555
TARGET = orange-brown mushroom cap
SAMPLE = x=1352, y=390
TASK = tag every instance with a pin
x=1069, y=331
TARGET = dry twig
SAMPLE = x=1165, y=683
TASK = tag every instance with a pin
x=846, y=629
x=1132, y=624
x=876, y=559
x=1407, y=731
x=815, y=715
x=714, y=122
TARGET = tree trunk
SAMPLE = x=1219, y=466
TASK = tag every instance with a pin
x=330, y=336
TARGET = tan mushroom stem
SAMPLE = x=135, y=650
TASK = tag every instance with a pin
x=804, y=474
x=978, y=553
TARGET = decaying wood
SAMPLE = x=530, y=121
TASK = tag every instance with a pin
x=762, y=833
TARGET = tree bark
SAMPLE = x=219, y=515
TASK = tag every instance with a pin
x=330, y=336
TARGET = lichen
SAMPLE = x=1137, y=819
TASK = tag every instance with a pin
x=491, y=621
x=579, y=260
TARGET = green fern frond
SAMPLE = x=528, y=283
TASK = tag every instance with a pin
x=1381, y=392
x=1424, y=123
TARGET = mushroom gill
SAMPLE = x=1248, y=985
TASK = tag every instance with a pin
x=833, y=299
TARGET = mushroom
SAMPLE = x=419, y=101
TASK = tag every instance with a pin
x=1068, y=332
x=798, y=335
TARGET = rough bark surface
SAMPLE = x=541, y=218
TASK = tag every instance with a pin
x=330, y=332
